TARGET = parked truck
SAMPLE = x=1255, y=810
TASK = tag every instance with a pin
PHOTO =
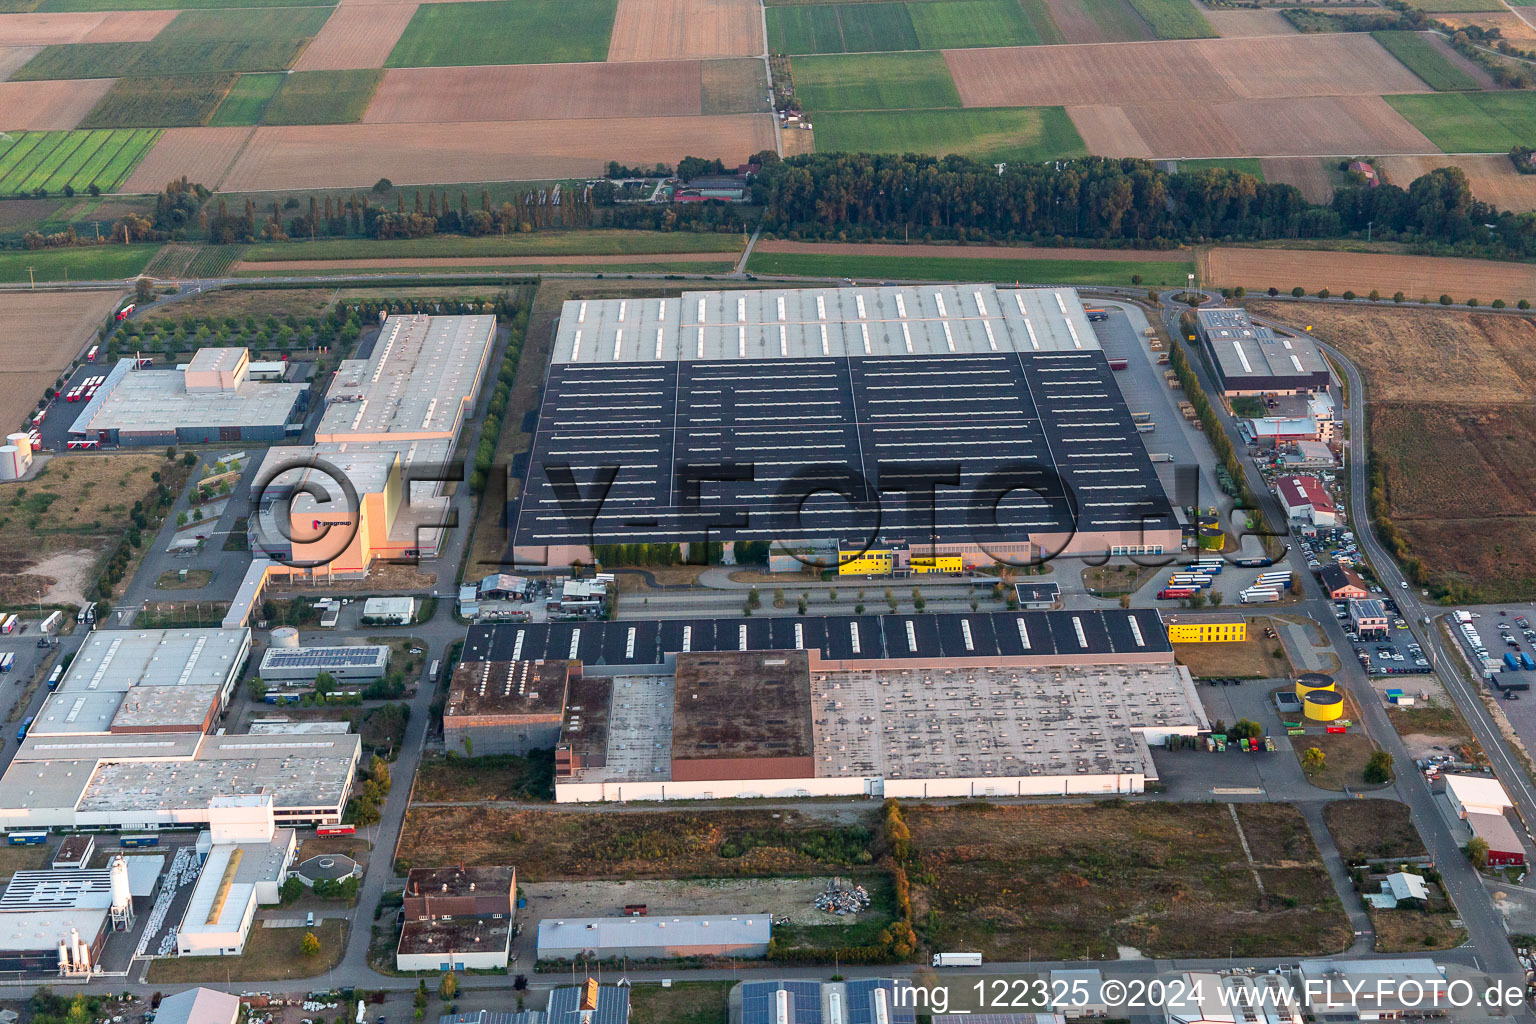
x=51, y=623
x=1527, y=662
x=1259, y=595
x=957, y=959
x=1160, y=457
x=1512, y=661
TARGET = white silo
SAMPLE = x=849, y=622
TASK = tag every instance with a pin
x=11, y=464
x=22, y=441
x=122, y=895
x=285, y=636
x=63, y=957
x=82, y=955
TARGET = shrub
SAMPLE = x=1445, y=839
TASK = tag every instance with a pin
x=1446, y=300
x=1323, y=293
x=1298, y=292
x=1398, y=296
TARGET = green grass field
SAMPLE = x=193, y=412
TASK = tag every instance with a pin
x=1477, y=122
x=1455, y=6
x=954, y=24
x=841, y=28
x=1421, y=57
x=158, y=5
x=944, y=268
x=52, y=160
x=83, y=263
x=548, y=243
x=874, y=81
x=323, y=97
x=615, y=270
x=247, y=101
x=210, y=41
x=1244, y=164
x=170, y=101
x=992, y=134
x=1174, y=19
x=1116, y=21
x=506, y=32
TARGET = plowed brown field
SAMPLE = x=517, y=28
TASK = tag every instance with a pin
x=40, y=332
x=1417, y=276
x=973, y=252
x=38, y=106
x=1320, y=125
x=1493, y=178
x=529, y=92
x=1305, y=172
x=1247, y=23
x=82, y=27
x=1341, y=64
x=346, y=156
x=356, y=37
x=1107, y=131
x=676, y=29
x=13, y=57
x=201, y=154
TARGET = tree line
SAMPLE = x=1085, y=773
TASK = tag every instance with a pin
x=1129, y=202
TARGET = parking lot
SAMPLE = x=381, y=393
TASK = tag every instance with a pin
x=61, y=414
x=1396, y=653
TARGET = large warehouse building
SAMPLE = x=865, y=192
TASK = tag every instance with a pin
x=126, y=741
x=212, y=400
x=1252, y=359
x=716, y=415
x=1016, y=704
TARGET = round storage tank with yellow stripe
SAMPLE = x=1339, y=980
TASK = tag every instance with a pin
x=1313, y=682
x=1324, y=705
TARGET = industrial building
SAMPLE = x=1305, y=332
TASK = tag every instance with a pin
x=1481, y=802
x=1253, y=360
x=739, y=936
x=390, y=425
x=1209, y=997
x=866, y=1000
x=1368, y=616
x=589, y=1003
x=457, y=918
x=213, y=399
x=246, y=863
x=354, y=662
x=715, y=415
x=1342, y=582
x=57, y=922
x=505, y=707
x=1218, y=628
x=1303, y=498
x=1387, y=989
x=199, y=1006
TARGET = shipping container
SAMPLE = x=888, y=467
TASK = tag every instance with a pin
x=1118, y=364
x=1146, y=428
x=139, y=840
x=1512, y=661
x=1259, y=596
x=1160, y=457
x=1174, y=593
x=335, y=830
x=1527, y=662
x=51, y=622
x=34, y=838
x=1141, y=417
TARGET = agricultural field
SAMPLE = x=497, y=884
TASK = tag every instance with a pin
x=247, y=101
x=965, y=268
x=1454, y=6
x=549, y=91
x=214, y=260
x=209, y=40
x=685, y=29
x=1453, y=428
x=54, y=160
x=1472, y=122
x=1425, y=59
x=1013, y=133
x=1493, y=179
x=80, y=263
x=505, y=32
x=51, y=28
x=202, y=155
x=863, y=27
x=881, y=81
x=357, y=37
x=1174, y=19
x=1098, y=21
x=153, y=5
x=170, y=101
x=1415, y=276
x=48, y=106
x=323, y=97
x=1305, y=172
x=41, y=333
x=1238, y=23
x=548, y=243
x=1166, y=879
x=1242, y=165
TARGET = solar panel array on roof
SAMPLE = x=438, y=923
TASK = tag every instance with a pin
x=839, y=637
x=321, y=658
x=1024, y=444
x=862, y=1000
x=612, y=1005
x=759, y=999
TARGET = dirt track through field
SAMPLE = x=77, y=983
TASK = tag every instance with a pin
x=1417, y=276
x=1320, y=125
x=1107, y=131
x=13, y=57
x=40, y=332
x=38, y=106
x=201, y=154
x=301, y=266
x=529, y=92
x=1305, y=172
x=82, y=27
x=1493, y=178
x=356, y=37
x=357, y=155
x=974, y=252
x=1205, y=70
x=678, y=29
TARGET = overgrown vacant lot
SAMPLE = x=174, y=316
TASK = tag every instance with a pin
x=1048, y=882
x=1373, y=828
x=664, y=844
x=1453, y=428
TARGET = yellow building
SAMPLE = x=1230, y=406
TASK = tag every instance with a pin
x=869, y=563
x=939, y=564
x=1206, y=629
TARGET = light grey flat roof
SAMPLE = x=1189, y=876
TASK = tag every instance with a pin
x=44, y=929
x=322, y=658
x=598, y=933
x=115, y=659
x=800, y=323
x=157, y=399
x=421, y=372
x=293, y=780
x=52, y=746
x=1248, y=350
x=165, y=706
x=44, y=785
